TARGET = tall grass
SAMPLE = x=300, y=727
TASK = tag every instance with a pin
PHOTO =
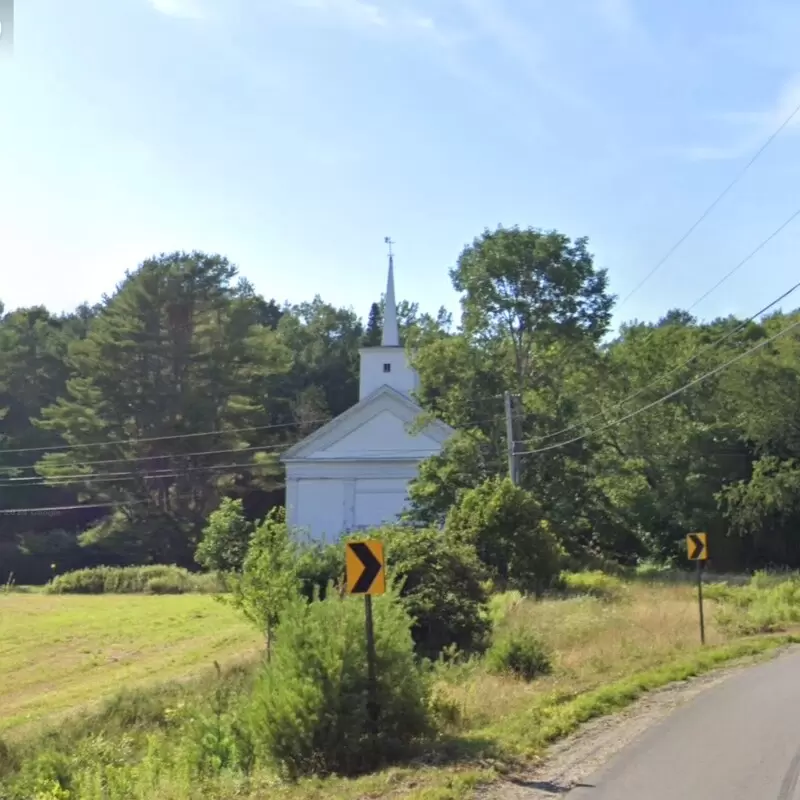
x=769, y=602
x=151, y=579
x=607, y=641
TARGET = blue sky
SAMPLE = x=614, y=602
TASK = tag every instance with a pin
x=293, y=135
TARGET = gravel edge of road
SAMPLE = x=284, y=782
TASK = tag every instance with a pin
x=574, y=758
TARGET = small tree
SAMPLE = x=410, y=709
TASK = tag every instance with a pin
x=504, y=523
x=309, y=711
x=225, y=539
x=443, y=477
x=269, y=579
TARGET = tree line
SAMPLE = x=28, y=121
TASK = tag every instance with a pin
x=123, y=425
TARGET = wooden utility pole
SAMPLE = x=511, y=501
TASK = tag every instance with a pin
x=512, y=439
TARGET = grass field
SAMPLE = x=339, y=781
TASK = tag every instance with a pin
x=609, y=645
x=62, y=652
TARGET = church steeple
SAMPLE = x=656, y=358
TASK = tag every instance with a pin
x=387, y=364
x=391, y=333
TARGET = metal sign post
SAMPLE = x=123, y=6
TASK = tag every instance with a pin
x=697, y=550
x=366, y=576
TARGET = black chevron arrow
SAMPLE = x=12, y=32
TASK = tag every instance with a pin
x=372, y=567
x=698, y=545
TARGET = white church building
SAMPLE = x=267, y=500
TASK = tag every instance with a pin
x=353, y=473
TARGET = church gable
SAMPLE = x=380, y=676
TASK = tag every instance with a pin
x=383, y=435
x=378, y=427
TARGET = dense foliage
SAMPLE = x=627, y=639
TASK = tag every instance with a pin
x=505, y=526
x=309, y=714
x=439, y=578
x=149, y=579
x=123, y=425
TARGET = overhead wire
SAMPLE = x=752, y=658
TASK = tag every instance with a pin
x=143, y=440
x=78, y=507
x=711, y=207
x=665, y=397
x=163, y=456
x=710, y=346
x=735, y=269
x=172, y=437
x=75, y=479
x=167, y=472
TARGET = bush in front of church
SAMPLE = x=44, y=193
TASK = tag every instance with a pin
x=440, y=582
x=309, y=711
x=505, y=525
x=226, y=538
x=319, y=567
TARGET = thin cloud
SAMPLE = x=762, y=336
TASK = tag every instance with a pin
x=181, y=9
x=357, y=12
x=758, y=126
x=401, y=22
x=524, y=46
x=618, y=15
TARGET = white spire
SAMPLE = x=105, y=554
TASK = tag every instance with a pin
x=391, y=334
x=387, y=365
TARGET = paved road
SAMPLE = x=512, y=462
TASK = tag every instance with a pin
x=739, y=740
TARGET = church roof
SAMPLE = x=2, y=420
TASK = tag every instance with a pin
x=383, y=415
x=349, y=420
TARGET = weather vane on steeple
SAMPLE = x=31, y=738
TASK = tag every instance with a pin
x=389, y=241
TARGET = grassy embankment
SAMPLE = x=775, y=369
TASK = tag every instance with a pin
x=61, y=652
x=608, y=646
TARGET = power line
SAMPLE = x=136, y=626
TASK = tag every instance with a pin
x=167, y=472
x=55, y=509
x=666, y=397
x=679, y=367
x=727, y=275
x=111, y=442
x=137, y=459
x=165, y=456
x=710, y=208
x=112, y=477
x=735, y=269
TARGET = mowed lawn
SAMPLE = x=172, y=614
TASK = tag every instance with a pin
x=59, y=653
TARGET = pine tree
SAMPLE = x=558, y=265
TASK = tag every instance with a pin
x=372, y=336
x=174, y=351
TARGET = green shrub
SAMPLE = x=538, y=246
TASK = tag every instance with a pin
x=595, y=584
x=225, y=539
x=440, y=587
x=768, y=603
x=319, y=566
x=519, y=652
x=652, y=570
x=309, y=713
x=8, y=760
x=219, y=740
x=45, y=776
x=269, y=575
x=505, y=525
x=131, y=580
x=501, y=604
x=162, y=586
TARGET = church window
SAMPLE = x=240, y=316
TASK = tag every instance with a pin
x=387, y=367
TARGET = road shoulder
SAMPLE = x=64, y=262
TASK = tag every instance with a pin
x=570, y=761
